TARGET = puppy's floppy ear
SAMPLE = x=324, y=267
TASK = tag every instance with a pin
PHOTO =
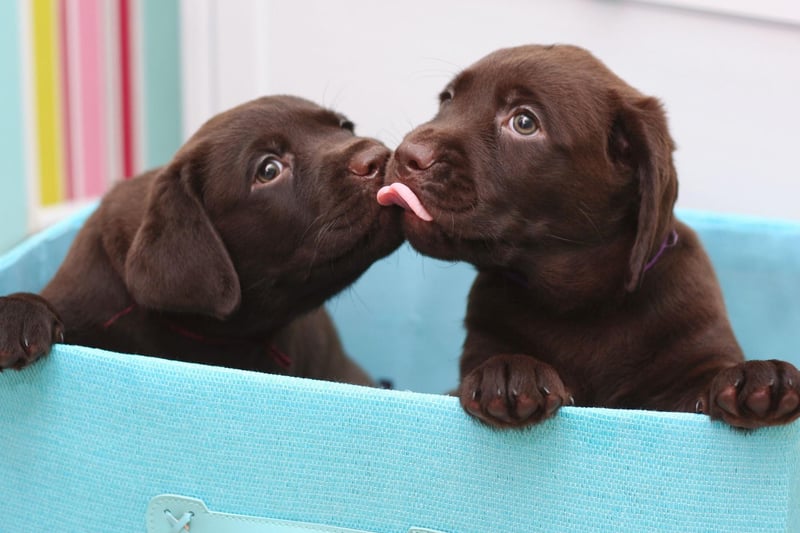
x=177, y=260
x=640, y=140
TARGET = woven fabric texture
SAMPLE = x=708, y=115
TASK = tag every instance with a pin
x=88, y=437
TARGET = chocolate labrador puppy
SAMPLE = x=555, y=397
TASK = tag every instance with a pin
x=225, y=255
x=555, y=179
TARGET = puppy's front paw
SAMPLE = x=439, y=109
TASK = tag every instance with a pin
x=28, y=328
x=754, y=394
x=513, y=391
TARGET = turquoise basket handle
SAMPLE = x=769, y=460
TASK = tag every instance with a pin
x=169, y=513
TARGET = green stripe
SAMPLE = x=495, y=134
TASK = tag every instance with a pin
x=13, y=198
x=162, y=80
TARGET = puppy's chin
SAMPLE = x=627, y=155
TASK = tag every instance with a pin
x=384, y=236
x=375, y=236
x=431, y=239
x=428, y=238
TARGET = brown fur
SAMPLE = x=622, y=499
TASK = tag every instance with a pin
x=199, y=261
x=561, y=225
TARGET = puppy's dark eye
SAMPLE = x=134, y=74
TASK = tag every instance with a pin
x=269, y=169
x=445, y=96
x=525, y=123
x=347, y=125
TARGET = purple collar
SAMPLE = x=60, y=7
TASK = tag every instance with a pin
x=669, y=242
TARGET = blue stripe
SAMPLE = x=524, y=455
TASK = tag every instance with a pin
x=162, y=83
x=13, y=200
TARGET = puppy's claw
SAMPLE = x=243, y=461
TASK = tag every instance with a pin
x=58, y=334
x=551, y=404
x=700, y=406
x=473, y=406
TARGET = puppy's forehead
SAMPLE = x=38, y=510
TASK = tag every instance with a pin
x=283, y=115
x=286, y=111
x=553, y=70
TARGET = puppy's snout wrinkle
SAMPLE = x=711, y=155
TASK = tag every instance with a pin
x=369, y=162
x=415, y=156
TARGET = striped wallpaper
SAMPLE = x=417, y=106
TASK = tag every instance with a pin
x=93, y=96
x=12, y=161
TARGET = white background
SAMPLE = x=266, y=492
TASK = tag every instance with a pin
x=730, y=83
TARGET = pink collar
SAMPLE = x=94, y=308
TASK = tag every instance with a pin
x=283, y=360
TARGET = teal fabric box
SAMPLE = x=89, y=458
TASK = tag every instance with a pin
x=88, y=438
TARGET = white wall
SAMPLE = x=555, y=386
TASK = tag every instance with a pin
x=731, y=85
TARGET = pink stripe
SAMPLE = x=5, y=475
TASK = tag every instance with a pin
x=94, y=147
x=126, y=51
x=65, y=98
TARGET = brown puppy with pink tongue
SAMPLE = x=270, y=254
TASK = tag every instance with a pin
x=555, y=179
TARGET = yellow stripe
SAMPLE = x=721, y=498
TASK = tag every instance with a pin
x=47, y=80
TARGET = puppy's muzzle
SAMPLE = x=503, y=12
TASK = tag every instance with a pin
x=413, y=157
x=369, y=162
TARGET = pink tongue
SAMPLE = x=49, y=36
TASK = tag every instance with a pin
x=399, y=194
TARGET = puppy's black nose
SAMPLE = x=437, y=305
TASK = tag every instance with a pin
x=415, y=156
x=369, y=162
